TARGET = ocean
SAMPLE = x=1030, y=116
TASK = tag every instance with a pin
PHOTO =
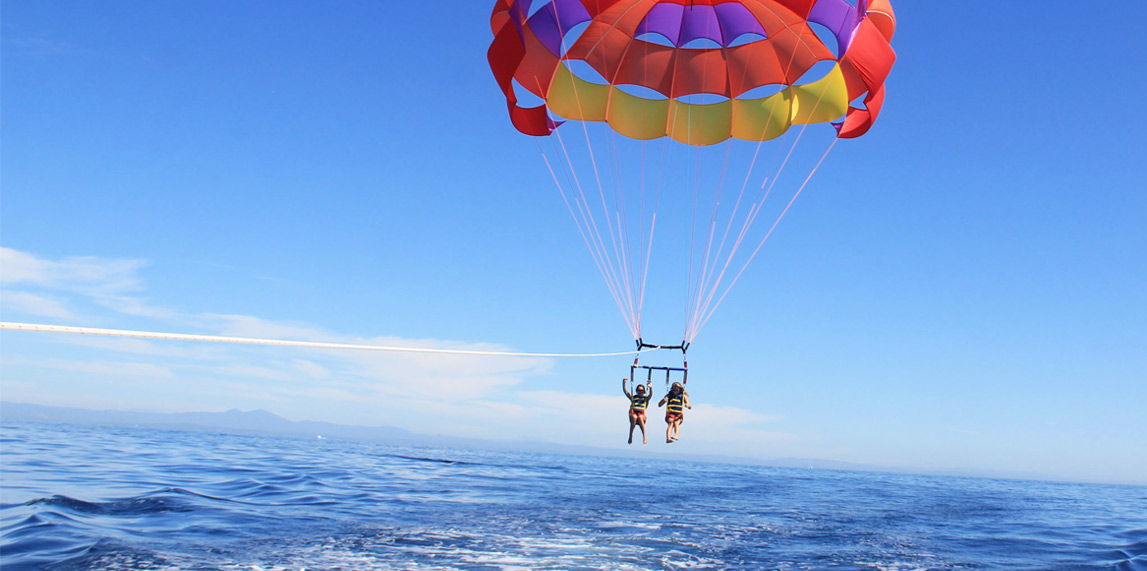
x=106, y=497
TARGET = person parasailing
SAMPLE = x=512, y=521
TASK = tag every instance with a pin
x=675, y=403
x=637, y=404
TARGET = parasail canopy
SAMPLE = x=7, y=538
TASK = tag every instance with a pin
x=678, y=48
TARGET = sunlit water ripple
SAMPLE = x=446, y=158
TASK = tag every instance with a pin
x=94, y=497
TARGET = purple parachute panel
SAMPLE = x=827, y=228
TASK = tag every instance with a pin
x=682, y=24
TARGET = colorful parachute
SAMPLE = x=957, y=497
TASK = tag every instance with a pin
x=617, y=44
x=698, y=72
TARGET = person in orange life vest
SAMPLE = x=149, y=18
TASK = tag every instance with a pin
x=637, y=404
x=677, y=400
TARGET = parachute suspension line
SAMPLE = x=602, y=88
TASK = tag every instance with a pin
x=689, y=282
x=611, y=218
x=653, y=220
x=754, y=210
x=769, y=233
x=596, y=245
x=706, y=279
x=620, y=274
x=617, y=271
x=693, y=290
x=707, y=311
x=725, y=235
x=624, y=268
x=612, y=280
x=623, y=227
x=706, y=270
x=645, y=270
x=636, y=296
x=627, y=273
x=643, y=258
x=704, y=286
x=695, y=293
x=637, y=277
x=763, y=194
x=750, y=218
x=694, y=296
x=583, y=230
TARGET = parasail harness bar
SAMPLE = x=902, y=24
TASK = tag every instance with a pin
x=642, y=346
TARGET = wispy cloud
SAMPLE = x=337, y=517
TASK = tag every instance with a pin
x=110, y=283
x=411, y=375
x=726, y=423
x=198, y=351
x=113, y=368
x=39, y=305
x=86, y=273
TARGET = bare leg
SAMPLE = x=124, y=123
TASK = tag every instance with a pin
x=632, y=422
x=642, y=425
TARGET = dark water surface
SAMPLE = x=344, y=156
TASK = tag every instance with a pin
x=97, y=497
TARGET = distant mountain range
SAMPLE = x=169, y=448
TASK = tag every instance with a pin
x=232, y=421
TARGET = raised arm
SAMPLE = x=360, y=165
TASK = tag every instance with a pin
x=625, y=387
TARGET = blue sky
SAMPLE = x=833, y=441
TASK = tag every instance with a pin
x=961, y=289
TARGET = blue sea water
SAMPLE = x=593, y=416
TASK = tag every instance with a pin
x=99, y=497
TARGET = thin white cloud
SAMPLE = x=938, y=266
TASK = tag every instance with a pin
x=134, y=306
x=197, y=351
x=37, y=305
x=112, y=368
x=411, y=375
x=255, y=371
x=310, y=369
x=111, y=283
x=730, y=424
x=85, y=273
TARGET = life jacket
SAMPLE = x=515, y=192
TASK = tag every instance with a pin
x=676, y=404
x=637, y=403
